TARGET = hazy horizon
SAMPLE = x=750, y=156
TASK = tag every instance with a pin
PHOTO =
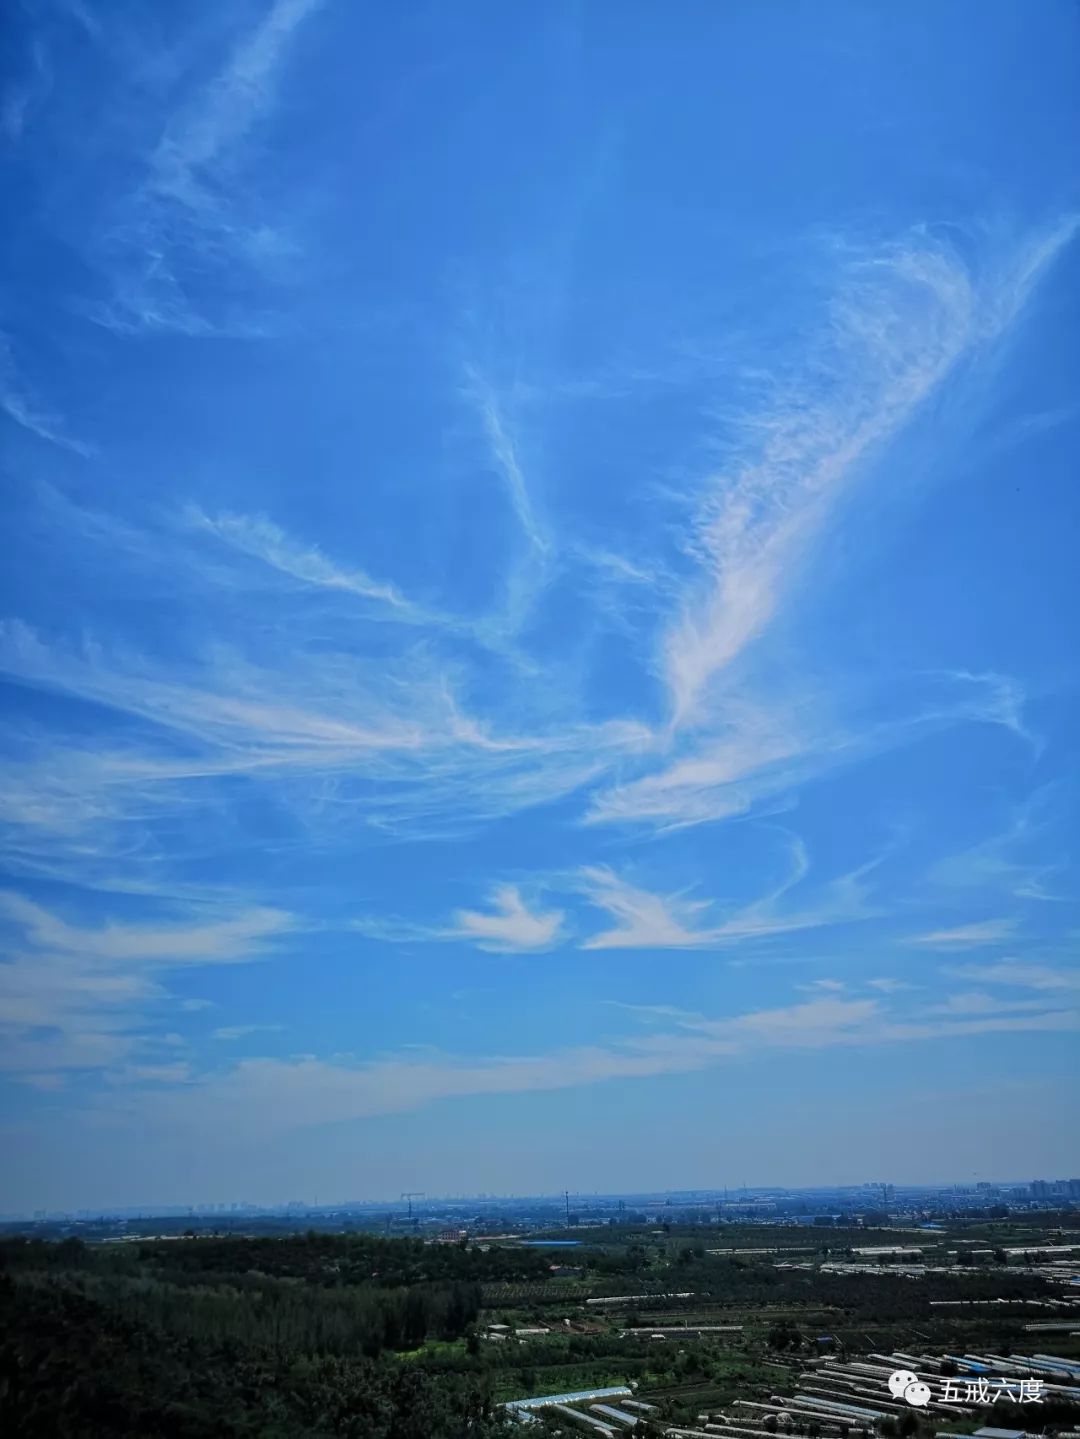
x=427, y=1201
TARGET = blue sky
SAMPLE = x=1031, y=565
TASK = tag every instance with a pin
x=540, y=597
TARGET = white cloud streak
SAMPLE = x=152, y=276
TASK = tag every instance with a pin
x=504, y=453
x=903, y=319
x=963, y=936
x=261, y=539
x=230, y=1032
x=646, y=920
x=222, y=941
x=225, y=111
x=388, y=741
x=20, y=404
x=509, y=926
x=1005, y=861
x=194, y=214
x=759, y=753
x=395, y=739
x=74, y=996
x=1021, y=975
x=284, y=1094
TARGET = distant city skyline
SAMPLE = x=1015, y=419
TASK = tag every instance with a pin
x=538, y=640
x=1018, y=1189
x=771, y=1204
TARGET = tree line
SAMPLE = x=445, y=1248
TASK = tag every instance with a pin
x=96, y=1342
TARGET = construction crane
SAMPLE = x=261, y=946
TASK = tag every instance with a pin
x=410, y=1195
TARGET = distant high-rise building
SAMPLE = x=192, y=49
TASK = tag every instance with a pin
x=1040, y=1189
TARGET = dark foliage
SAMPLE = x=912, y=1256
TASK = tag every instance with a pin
x=94, y=1344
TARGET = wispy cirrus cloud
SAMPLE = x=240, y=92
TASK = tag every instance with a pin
x=509, y=924
x=266, y=1094
x=647, y=920
x=24, y=94
x=644, y=920
x=261, y=539
x=1010, y=860
x=405, y=742
x=1021, y=974
x=265, y=542
x=504, y=453
x=421, y=590
x=221, y=114
x=328, y=735
x=47, y=1083
x=963, y=936
x=230, y=1032
x=76, y=996
x=220, y=941
x=902, y=319
x=759, y=754
x=976, y=1002
x=21, y=404
x=139, y=1075
x=756, y=754
x=193, y=218
x=526, y=573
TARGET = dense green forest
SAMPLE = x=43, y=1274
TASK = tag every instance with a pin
x=356, y=1334
x=299, y=1337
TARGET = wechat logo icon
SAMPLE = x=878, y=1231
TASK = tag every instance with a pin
x=907, y=1385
